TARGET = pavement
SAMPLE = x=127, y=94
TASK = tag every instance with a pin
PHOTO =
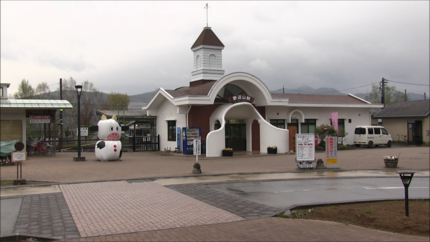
x=153, y=196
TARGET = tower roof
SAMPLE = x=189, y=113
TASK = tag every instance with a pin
x=207, y=37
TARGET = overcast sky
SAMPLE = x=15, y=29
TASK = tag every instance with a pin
x=138, y=46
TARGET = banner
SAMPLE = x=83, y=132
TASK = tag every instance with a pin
x=334, y=121
x=40, y=119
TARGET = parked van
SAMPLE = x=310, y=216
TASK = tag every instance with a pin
x=371, y=136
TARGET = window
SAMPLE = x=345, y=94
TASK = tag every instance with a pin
x=308, y=127
x=360, y=131
x=341, y=127
x=171, y=130
x=369, y=130
x=228, y=91
x=212, y=61
x=384, y=131
x=280, y=123
x=377, y=131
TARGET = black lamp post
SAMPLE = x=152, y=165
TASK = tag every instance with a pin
x=79, y=92
x=406, y=180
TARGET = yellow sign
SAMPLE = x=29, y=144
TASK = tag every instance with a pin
x=332, y=161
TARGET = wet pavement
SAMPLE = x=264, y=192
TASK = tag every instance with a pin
x=154, y=197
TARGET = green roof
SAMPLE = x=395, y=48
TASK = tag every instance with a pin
x=35, y=104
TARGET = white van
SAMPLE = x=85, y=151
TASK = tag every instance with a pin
x=371, y=136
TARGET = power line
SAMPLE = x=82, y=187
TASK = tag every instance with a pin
x=416, y=84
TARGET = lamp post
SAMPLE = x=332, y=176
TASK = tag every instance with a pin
x=406, y=180
x=79, y=92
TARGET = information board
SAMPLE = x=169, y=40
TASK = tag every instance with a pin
x=331, y=152
x=197, y=146
x=305, y=147
x=18, y=156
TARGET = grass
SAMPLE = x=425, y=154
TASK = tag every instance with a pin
x=6, y=182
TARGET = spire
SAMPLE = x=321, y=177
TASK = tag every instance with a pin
x=207, y=37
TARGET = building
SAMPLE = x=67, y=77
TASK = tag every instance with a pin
x=238, y=111
x=407, y=119
x=15, y=112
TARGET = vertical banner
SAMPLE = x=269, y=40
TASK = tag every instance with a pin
x=178, y=138
x=334, y=121
x=331, y=152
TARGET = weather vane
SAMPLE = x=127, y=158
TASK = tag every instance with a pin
x=207, y=7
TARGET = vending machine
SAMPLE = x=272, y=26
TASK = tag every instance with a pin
x=188, y=136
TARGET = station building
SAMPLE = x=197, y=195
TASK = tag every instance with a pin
x=238, y=111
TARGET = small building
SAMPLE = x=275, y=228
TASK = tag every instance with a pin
x=15, y=112
x=407, y=119
x=238, y=111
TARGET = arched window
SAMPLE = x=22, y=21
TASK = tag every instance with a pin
x=227, y=91
x=212, y=61
x=196, y=63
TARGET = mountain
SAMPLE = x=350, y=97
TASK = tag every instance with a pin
x=309, y=90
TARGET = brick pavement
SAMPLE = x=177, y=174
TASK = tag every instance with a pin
x=104, y=208
x=88, y=200
x=267, y=229
x=137, y=165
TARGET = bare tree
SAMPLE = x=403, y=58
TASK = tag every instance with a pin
x=25, y=90
x=391, y=95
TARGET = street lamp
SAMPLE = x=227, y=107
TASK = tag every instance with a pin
x=79, y=92
x=406, y=180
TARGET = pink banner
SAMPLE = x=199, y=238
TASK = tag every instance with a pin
x=334, y=121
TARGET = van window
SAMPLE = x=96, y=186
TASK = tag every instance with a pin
x=360, y=131
x=384, y=131
x=369, y=130
x=377, y=131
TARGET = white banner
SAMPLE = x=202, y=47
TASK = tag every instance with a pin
x=40, y=119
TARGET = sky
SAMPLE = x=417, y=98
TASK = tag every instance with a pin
x=134, y=47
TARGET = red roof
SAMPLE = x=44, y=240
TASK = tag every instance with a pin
x=317, y=99
x=207, y=37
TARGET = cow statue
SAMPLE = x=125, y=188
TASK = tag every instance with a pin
x=109, y=147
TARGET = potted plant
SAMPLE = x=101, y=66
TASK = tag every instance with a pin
x=227, y=152
x=391, y=161
x=272, y=150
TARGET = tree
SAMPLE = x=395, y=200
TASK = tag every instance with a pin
x=43, y=91
x=91, y=99
x=323, y=131
x=117, y=101
x=391, y=95
x=25, y=90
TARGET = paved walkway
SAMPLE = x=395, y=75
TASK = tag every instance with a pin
x=133, y=204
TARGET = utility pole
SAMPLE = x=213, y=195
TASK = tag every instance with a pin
x=406, y=97
x=382, y=88
x=61, y=116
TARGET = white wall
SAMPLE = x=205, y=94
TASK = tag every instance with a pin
x=358, y=116
x=167, y=111
x=269, y=135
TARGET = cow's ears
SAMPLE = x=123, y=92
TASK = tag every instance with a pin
x=114, y=117
x=103, y=117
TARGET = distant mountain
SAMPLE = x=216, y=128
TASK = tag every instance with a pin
x=309, y=90
x=412, y=96
x=144, y=97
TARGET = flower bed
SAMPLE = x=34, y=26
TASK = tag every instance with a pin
x=272, y=150
x=227, y=152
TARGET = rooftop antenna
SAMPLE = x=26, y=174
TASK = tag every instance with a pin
x=207, y=14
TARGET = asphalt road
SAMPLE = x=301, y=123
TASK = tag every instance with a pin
x=290, y=193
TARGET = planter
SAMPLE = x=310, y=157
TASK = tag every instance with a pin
x=272, y=151
x=227, y=153
x=391, y=163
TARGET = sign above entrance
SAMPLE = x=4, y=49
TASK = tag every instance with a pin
x=241, y=98
x=40, y=119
